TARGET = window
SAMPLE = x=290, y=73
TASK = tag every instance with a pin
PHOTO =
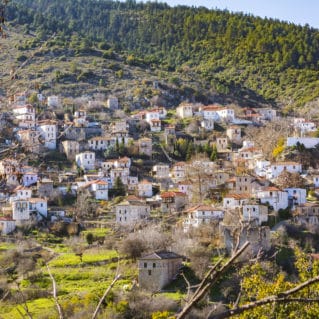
x=145, y=265
x=154, y=265
x=149, y=272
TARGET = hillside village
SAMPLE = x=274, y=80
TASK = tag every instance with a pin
x=213, y=176
x=93, y=149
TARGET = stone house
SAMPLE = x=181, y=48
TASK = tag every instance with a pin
x=45, y=187
x=255, y=212
x=112, y=103
x=29, y=140
x=307, y=214
x=121, y=172
x=235, y=236
x=70, y=148
x=131, y=211
x=221, y=143
x=145, y=146
x=173, y=201
x=178, y=172
x=80, y=118
x=158, y=269
x=233, y=132
x=160, y=171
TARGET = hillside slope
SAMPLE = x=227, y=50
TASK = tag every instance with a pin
x=248, y=58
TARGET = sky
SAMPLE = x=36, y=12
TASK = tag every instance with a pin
x=296, y=11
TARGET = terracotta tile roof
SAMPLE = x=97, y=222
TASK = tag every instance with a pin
x=238, y=196
x=171, y=194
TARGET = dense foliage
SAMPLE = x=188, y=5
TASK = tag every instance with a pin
x=233, y=53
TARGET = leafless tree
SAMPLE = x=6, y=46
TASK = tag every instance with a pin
x=267, y=136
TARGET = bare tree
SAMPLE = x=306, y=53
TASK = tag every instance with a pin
x=267, y=136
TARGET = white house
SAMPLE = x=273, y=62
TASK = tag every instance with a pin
x=184, y=110
x=232, y=201
x=40, y=206
x=316, y=181
x=151, y=115
x=308, y=142
x=7, y=225
x=207, y=124
x=273, y=196
x=112, y=103
x=53, y=101
x=101, y=143
x=226, y=114
x=210, y=112
x=99, y=188
x=24, y=112
x=178, y=171
x=145, y=189
x=29, y=209
x=267, y=114
x=128, y=212
x=48, y=131
x=296, y=196
x=275, y=169
x=304, y=126
x=22, y=192
x=30, y=175
x=202, y=214
x=184, y=187
x=85, y=160
x=255, y=211
x=155, y=125
x=161, y=171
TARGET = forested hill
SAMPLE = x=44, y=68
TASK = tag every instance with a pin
x=229, y=52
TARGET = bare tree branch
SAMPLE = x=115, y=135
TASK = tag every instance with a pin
x=272, y=299
x=210, y=279
x=24, y=302
x=104, y=295
x=54, y=292
x=108, y=289
x=280, y=298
